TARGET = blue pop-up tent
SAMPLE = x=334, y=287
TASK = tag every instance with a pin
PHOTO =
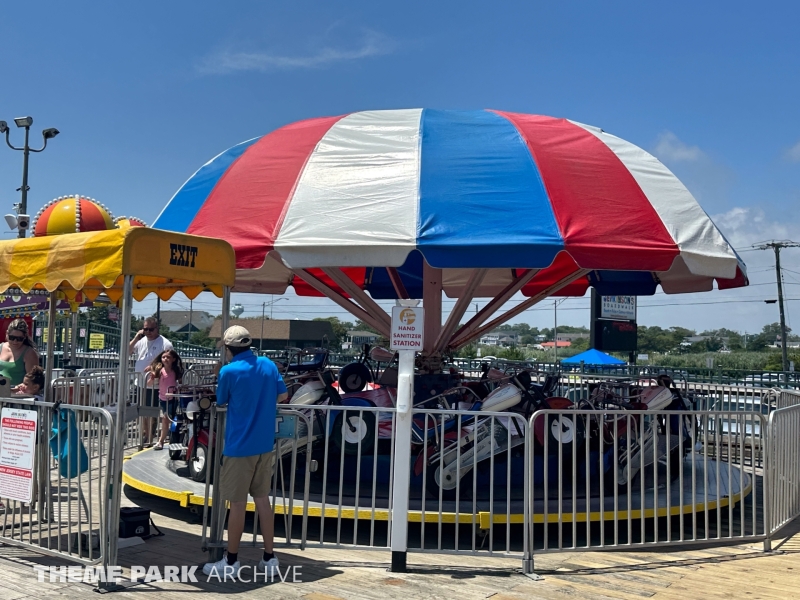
x=593, y=357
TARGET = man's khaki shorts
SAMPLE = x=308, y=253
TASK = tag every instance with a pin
x=246, y=474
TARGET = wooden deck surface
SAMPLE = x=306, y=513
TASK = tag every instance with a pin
x=742, y=571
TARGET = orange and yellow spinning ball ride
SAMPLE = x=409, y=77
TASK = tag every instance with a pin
x=72, y=214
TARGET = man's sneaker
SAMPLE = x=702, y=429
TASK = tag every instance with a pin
x=269, y=568
x=222, y=569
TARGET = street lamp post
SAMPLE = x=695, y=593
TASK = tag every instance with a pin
x=263, y=311
x=47, y=134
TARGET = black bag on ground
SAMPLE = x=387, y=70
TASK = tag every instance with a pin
x=134, y=522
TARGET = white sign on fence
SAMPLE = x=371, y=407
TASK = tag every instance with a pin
x=622, y=308
x=17, y=445
x=407, y=328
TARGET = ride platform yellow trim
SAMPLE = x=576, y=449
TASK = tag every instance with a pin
x=608, y=515
x=482, y=519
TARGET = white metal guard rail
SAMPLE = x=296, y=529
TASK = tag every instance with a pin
x=68, y=516
x=645, y=478
x=784, y=462
x=344, y=493
x=466, y=485
x=98, y=388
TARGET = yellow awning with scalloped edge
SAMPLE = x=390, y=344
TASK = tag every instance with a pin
x=162, y=262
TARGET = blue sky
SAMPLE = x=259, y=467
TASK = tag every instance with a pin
x=146, y=92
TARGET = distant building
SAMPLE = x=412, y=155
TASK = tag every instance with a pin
x=696, y=339
x=357, y=339
x=177, y=321
x=278, y=334
x=571, y=337
x=777, y=344
x=561, y=344
x=505, y=340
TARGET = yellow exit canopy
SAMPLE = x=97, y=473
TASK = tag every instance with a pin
x=162, y=262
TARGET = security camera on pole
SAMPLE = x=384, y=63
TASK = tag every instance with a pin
x=22, y=220
x=407, y=337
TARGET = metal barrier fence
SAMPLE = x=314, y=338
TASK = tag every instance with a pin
x=482, y=483
x=703, y=396
x=486, y=483
x=726, y=376
x=784, y=466
x=98, y=388
x=716, y=396
x=330, y=465
x=109, y=361
x=471, y=482
x=786, y=398
x=608, y=479
x=68, y=512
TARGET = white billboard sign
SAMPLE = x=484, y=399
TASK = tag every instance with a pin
x=621, y=308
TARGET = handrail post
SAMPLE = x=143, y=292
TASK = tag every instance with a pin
x=118, y=438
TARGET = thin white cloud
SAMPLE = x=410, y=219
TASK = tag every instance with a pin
x=671, y=149
x=747, y=226
x=793, y=154
x=233, y=61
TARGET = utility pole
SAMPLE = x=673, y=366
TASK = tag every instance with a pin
x=555, y=331
x=261, y=339
x=777, y=247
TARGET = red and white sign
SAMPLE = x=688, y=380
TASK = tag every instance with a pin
x=17, y=446
x=407, y=328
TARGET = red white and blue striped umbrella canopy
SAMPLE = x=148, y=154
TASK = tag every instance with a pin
x=461, y=189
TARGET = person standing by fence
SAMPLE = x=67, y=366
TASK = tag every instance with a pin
x=18, y=355
x=251, y=387
x=145, y=347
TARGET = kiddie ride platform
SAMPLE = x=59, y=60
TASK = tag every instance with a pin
x=716, y=486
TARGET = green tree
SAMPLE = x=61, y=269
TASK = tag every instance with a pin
x=570, y=329
x=775, y=361
x=512, y=353
x=201, y=338
x=340, y=329
x=99, y=314
x=468, y=351
x=766, y=338
x=579, y=345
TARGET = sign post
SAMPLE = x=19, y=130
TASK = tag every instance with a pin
x=407, y=338
x=17, y=445
x=613, y=320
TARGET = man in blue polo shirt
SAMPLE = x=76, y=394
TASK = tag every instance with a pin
x=251, y=387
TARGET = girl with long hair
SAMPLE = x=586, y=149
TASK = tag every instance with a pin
x=168, y=369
